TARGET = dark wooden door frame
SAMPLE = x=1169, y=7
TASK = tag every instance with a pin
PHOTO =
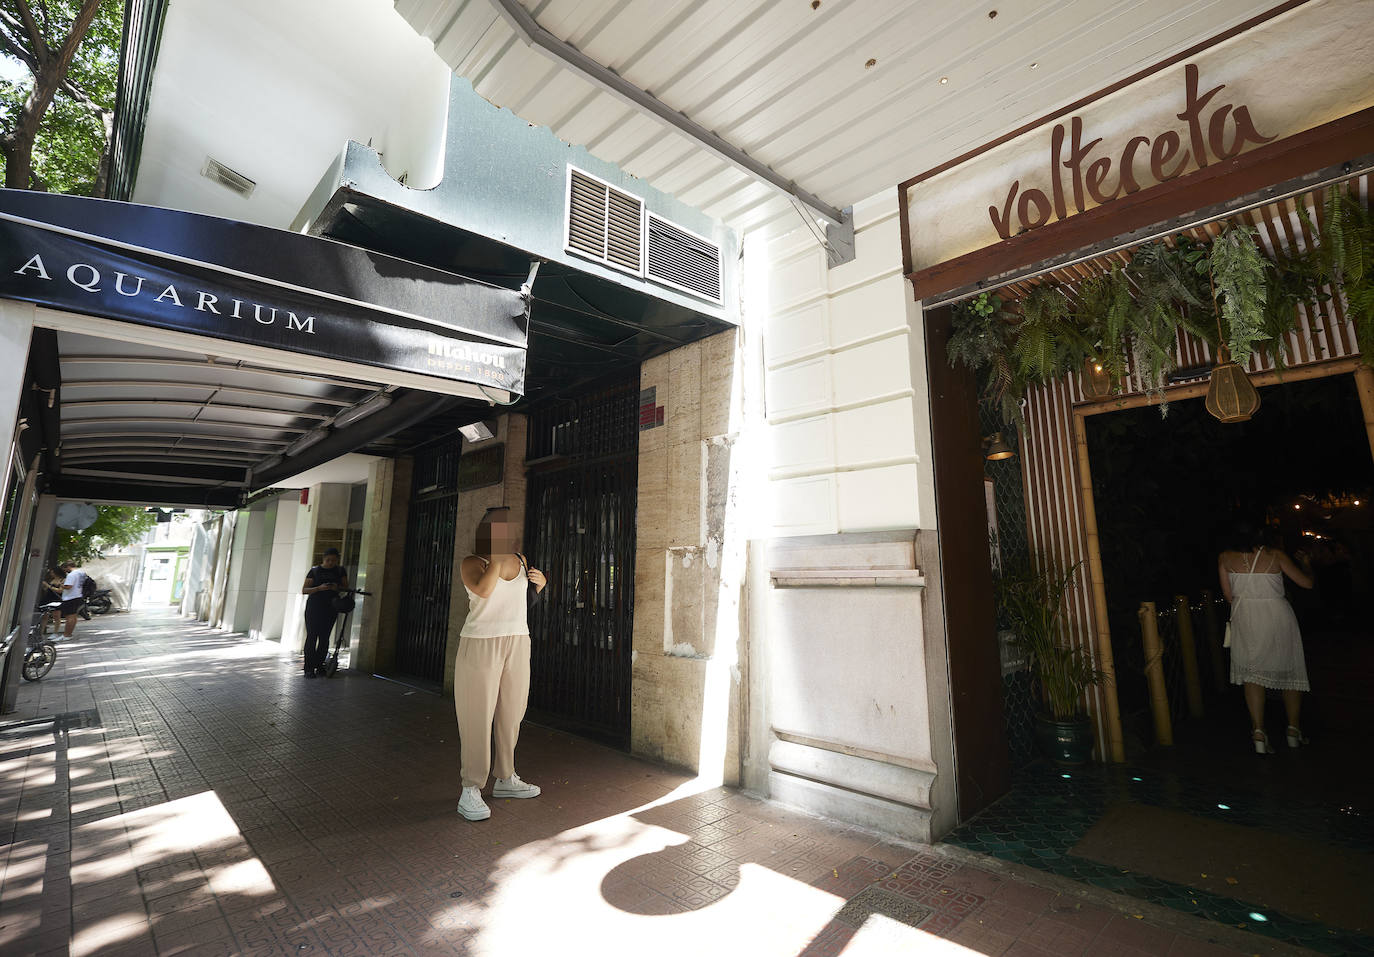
x=982, y=761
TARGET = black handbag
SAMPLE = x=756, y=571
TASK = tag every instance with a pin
x=343, y=604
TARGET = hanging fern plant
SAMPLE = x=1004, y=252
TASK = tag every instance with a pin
x=1344, y=260
x=1169, y=295
x=1226, y=295
x=1104, y=312
x=1048, y=342
x=1240, y=289
x=982, y=337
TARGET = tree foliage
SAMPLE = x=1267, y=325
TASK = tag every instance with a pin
x=56, y=122
x=116, y=526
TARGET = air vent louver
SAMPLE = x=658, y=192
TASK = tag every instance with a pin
x=217, y=171
x=682, y=260
x=604, y=223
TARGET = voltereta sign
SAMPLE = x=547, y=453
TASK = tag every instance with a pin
x=266, y=287
x=1259, y=86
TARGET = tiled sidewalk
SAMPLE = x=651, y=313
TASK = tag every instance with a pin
x=169, y=790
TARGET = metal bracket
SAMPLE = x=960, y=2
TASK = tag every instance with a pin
x=527, y=289
x=836, y=239
x=839, y=240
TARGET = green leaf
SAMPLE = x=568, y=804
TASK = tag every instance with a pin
x=1239, y=275
x=116, y=526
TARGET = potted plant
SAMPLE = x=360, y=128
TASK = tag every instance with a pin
x=1031, y=599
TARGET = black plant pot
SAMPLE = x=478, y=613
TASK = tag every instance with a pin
x=1065, y=742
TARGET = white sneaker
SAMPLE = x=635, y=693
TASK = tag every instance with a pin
x=471, y=805
x=513, y=787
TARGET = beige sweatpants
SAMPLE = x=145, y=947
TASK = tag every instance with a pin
x=491, y=686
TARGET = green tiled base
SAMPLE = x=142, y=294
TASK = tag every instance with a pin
x=1049, y=810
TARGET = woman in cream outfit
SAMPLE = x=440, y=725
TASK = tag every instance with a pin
x=491, y=679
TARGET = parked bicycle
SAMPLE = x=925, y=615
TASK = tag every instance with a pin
x=41, y=653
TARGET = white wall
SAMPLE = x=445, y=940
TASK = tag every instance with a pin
x=279, y=582
x=235, y=577
x=234, y=81
x=838, y=608
x=326, y=508
x=847, y=429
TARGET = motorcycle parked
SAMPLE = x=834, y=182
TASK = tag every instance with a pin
x=100, y=603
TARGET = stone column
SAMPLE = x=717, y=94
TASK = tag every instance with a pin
x=689, y=644
x=382, y=563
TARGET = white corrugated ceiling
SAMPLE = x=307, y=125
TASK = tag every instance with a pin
x=842, y=96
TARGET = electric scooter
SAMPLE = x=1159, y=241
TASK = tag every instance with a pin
x=343, y=603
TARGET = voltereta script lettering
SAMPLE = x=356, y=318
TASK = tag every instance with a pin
x=89, y=279
x=1169, y=155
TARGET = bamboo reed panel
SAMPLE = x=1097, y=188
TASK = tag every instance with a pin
x=1364, y=384
x=1105, y=659
x=1154, y=673
x=1191, y=677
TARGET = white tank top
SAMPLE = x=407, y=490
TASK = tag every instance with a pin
x=503, y=613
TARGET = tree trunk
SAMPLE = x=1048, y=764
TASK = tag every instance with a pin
x=17, y=146
x=102, y=175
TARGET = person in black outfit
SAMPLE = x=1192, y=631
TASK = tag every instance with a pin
x=322, y=584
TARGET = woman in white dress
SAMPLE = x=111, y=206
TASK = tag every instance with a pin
x=1266, y=645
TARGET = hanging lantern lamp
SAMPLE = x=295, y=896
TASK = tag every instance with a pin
x=998, y=448
x=1097, y=382
x=1230, y=395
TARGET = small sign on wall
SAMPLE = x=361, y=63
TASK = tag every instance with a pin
x=482, y=468
x=650, y=412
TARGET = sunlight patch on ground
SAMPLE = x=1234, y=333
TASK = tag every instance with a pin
x=767, y=914
x=884, y=937
x=118, y=845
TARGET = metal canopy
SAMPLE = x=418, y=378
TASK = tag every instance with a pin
x=847, y=99
x=582, y=328
x=184, y=359
x=170, y=423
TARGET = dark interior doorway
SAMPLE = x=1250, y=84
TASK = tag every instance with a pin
x=1167, y=491
x=422, y=626
x=580, y=529
x=1168, y=487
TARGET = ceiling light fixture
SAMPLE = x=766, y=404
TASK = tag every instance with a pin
x=478, y=431
x=373, y=403
x=306, y=441
x=944, y=80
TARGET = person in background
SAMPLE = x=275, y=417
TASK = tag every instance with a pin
x=1266, y=645
x=323, y=582
x=72, y=585
x=49, y=591
x=491, y=678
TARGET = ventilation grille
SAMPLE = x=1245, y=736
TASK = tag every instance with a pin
x=682, y=260
x=604, y=223
x=217, y=171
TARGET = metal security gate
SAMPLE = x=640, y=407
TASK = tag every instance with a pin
x=422, y=628
x=580, y=529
